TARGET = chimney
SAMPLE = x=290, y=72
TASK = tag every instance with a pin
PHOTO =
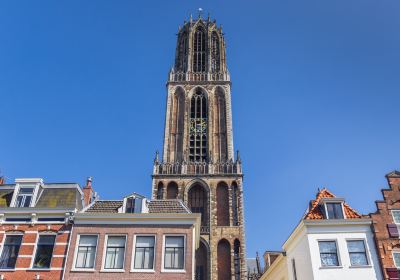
x=2, y=180
x=88, y=193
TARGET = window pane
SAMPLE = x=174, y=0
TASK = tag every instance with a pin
x=116, y=241
x=26, y=190
x=356, y=246
x=88, y=240
x=358, y=259
x=10, y=251
x=86, y=251
x=145, y=241
x=44, y=251
x=174, y=241
x=130, y=205
x=328, y=253
x=334, y=210
x=138, y=205
x=396, y=216
x=396, y=256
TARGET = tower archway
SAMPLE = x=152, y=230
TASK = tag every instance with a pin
x=224, y=260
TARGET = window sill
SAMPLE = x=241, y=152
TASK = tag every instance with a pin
x=143, y=270
x=360, y=266
x=112, y=270
x=7, y=269
x=331, y=267
x=38, y=269
x=83, y=270
x=173, y=270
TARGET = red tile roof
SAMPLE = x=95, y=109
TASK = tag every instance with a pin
x=315, y=213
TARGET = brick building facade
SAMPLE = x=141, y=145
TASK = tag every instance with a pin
x=35, y=228
x=144, y=233
x=386, y=222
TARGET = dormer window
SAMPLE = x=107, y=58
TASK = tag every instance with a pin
x=133, y=205
x=24, y=197
x=334, y=210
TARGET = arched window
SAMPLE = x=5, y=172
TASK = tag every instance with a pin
x=177, y=124
x=220, y=143
x=172, y=190
x=235, y=204
x=202, y=262
x=198, y=202
x=215, y=54
x=222, y=204
x=198, y=127
x=236, y=258
x=181, y=58
x=160, y=191
x=224, y=260
x=199, y=50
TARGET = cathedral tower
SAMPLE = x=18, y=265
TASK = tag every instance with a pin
x=198, y=163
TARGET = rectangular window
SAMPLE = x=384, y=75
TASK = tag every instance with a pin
x=334, y=210
x=174, y=252
x=44, y=251
x=24, y=197
x=144, y=252
x=133, y=205
x=115, y=252
x=10, y=251
x=86, y=253
x=328, y=253
x=396, y=216
x=294, y=269
x=357, y=252
x=396, y=257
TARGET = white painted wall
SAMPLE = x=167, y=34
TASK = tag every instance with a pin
x=341, y=234
x=277, y=271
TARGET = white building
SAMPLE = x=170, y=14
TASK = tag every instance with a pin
x=331, y=242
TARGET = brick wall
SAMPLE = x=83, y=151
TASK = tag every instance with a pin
x=26, y=255
x=382, y=219
x=130, y=231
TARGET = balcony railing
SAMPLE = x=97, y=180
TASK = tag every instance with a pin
x=197, y=168
x=198, y=76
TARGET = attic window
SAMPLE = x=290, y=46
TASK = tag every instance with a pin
x=334, y=210
x=133, y=205
x=24, y=197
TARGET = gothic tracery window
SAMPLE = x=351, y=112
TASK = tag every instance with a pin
x=224, y=260
x=181, y=62
x=222, y=204
x=160, y=191
x=220, y=129
x=198, y=202
x=235, y=204
x=172, y=190
x=177, y=124
x=215, y=53
x=198, y=127
x=199, y=50
x=236, y=258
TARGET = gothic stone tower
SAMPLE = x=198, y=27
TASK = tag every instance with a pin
x=198, y=164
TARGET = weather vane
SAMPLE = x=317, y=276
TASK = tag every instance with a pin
x=200, y=12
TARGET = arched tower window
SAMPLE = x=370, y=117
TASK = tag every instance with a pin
x=202, y=265
x=160, y=191
x=172, y=190
x=236, y=258
x=177, y=125
x=215, y=53
x=198, y=203
x=222, y=204
x=182, y=52
x=199, y=50
x=220, y=129
x=235, y=204
x=198, y=127
x=224, y=260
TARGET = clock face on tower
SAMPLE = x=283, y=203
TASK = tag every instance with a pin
x=198, y=126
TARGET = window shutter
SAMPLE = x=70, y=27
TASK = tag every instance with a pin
x=392, y=273
x=393, y=232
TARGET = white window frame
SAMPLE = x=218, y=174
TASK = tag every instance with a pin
x=133, y=269
x=2, y=247
x=18, y=187
x=367, y=252
x=163, y=269
x=392, y=211
x=326, y=209
x=78, y=238
x=35, y=249
x=337, y=253
x=103, y=262
x=395, y=252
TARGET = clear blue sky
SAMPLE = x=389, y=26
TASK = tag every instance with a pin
x=316, y=96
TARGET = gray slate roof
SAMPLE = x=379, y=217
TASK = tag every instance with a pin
x=155, y=206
